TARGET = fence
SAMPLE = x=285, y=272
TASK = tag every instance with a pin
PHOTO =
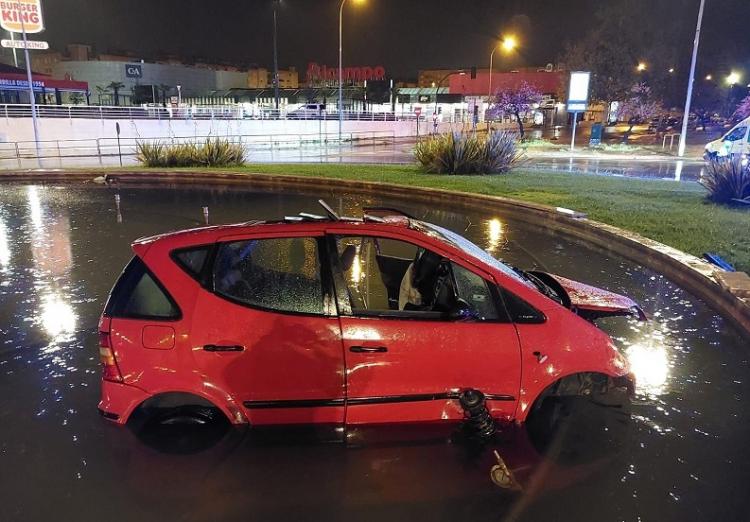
x=101, y=151
x=219, y=112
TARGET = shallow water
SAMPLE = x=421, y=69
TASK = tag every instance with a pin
x=684, y=455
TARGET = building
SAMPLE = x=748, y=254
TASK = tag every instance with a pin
x=14, y=88
x=260, y=78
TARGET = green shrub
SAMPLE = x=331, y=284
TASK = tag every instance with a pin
x=214, y=152
x=456, y=153
x=726, y=179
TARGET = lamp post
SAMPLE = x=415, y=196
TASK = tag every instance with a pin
x=508, y=43
x=275, y=57
x=689, y=97
x=341, y=65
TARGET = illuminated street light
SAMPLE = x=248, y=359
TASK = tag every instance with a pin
x=671, y=70
x=641, y=67
x=341, y=63
x=709, y=77
x=733, y=78
x=508, y=44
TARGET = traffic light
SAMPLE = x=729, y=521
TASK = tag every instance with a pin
x=474, y=73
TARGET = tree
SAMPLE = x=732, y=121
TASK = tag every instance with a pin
x=640, y=106
x=101, y=91
x=164, y=88
x=515, y=101
x=116, y=86
x=743, y=109
x=76, y=98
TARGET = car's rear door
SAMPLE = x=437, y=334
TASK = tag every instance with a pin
x=409, y=366
x=266, y=330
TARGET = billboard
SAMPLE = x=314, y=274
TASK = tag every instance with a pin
x=19, y=15
x=578, y=92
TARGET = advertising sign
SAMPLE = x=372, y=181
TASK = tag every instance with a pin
x=19, y=15
x=28, y=44
x=578, y=92
x=133, y=71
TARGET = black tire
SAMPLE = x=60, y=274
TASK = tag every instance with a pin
x=183, y=429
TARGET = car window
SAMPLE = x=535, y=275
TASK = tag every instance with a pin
x=139, y=295
x=276, y=274
x=736, y=134
x=192, y=259
x=396, y=278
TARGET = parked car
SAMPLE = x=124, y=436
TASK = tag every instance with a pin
x=331, y=320
x=310, y=111
x=735, y=143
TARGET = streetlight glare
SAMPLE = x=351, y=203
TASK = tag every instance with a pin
x=671, y=70
x=709, y=77
x=733, y=78
x=509, y=43
x=641, y=66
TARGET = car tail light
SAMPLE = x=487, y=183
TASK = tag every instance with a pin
x=110, y=371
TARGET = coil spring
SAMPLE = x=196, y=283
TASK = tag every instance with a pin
x=479, y=423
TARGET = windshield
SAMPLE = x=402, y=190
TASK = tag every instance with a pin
x=467, y=246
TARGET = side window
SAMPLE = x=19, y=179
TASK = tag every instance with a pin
x=139, y=295
x=474, y=290
x=192, y=260
x=398, y=279
x=276, y=274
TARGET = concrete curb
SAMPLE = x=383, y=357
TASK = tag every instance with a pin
x=689, y=272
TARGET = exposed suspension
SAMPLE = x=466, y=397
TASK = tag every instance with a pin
x=479, y=424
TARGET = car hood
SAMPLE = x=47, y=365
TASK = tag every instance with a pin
x=593, y=303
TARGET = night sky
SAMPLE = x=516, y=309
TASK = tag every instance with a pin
x=402, y=35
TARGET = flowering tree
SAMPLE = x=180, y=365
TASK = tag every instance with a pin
x=640, y=106
x=515, y=101
x=743, y=109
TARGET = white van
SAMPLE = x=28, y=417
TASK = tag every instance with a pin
x=734, y=143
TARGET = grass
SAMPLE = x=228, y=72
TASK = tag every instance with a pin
x=675, y=214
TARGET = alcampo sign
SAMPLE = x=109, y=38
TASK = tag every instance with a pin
x=19, y=15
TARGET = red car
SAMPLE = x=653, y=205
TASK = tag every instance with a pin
x=336, y=320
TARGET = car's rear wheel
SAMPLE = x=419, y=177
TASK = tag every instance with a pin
x=181, y=429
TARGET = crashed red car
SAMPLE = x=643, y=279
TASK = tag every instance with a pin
x=326, y=319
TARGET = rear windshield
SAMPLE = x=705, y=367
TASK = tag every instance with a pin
x=139, y=295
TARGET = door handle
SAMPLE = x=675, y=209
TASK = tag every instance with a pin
x=368, y=349
x=223, y=348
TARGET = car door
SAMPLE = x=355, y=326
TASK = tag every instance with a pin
x=266, y=330
x=404, y=364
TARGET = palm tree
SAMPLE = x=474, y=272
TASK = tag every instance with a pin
x=101, y=91
x=116, y=86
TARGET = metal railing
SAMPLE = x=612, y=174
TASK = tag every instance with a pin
x=218, y=112
x=102, y=151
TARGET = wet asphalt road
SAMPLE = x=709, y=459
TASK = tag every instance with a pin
x=683, y=456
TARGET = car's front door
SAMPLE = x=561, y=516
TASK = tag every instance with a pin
x=409, y=350
x=266, y=331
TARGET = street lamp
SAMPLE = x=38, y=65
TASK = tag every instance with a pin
x=508, y=44
x=179, y=95
x=733, y=78
x=275, y=58
x=641, y=67
x=709, y=77
x=691, y=80
x=341, y=64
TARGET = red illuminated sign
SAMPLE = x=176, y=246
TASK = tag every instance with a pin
x=320, y=73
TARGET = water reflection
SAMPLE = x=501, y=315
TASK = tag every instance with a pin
x=650, y=365
x=4, y=246
x=495, y=235
x=56, y=315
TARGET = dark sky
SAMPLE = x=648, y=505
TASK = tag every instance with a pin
x=402, y=35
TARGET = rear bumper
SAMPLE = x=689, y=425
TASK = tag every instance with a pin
x=119, y=400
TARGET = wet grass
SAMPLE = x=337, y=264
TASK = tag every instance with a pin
x=675, y=214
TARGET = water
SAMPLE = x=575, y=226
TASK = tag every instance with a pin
x=684, y=455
